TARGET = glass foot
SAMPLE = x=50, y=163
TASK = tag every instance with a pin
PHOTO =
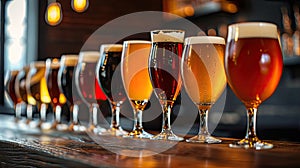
x=204, y=139
x=253, y=143
x=137, y=133
x=77, y=128
x=61, y=127
x=167, y=135
x=96, y=129
x=115, y=132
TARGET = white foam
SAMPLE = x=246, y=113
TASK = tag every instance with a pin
x=252, y=29
x=167, y=36
x=111, y=48
x=204, y=40
x=69, y=60
x=89, y=56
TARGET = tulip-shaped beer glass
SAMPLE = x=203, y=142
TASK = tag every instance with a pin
x=164, y=69
x=136, y=80
x=204, y=78
x=253, y=64
x=109, y=77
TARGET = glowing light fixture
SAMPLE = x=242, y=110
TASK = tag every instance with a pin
x=53, y=15
x=79, y=5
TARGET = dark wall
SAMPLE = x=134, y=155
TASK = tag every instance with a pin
x=75, y=28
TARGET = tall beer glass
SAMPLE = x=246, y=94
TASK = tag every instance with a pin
x=164, y=69
x=136, y=80
x=36, y=87
x=204, y=78
x=21, y=93
x=253, y=64
x=107, y=71
x=88, y=87
x=57, y=98
x=10, y=94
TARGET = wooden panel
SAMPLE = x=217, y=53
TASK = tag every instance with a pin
x=75, y=28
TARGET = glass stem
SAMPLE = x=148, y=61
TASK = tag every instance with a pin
x=43, y=112
x=29, y=112
x=58, y=114
x=251, y=124
x=167, y=116
x=203, y=122
x=75, y=110
x=138, y=120
x=115, y=116
x=18, y=110
x=94, y=114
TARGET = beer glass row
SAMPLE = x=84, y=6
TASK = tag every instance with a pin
x=250, y=61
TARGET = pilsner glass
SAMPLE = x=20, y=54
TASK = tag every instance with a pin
x=57, y=98
x=136, y=80
x=65, y=84
x=107, y=70
x=88, y=87
x=253, y=64
x=10, y=94
x=164, y=69
x=204, y=78
x=21, y=93
x=37, y=91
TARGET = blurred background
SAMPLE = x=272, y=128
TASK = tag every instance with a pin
x=27, y=36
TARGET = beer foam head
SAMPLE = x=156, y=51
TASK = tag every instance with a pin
x=136, y=42
x=89, y=56
x=204, y=40
x=111, y=48
x=53, y=63
x=38, y=64
x=167, y=36
x=69, y=60
x=252, y=29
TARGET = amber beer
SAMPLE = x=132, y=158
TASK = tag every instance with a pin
x=204, y=67
x=10, y=80
x=254, y=67
x=135, y=71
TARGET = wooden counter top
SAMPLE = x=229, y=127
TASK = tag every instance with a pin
x=29, y=147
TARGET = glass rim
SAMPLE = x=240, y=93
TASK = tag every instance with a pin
x=110, y=47
x=38, y=64
x=137, y=42
x=259, y=24
x=167, y=30
x=205, y=40
x=69, y=60
x=89, y=56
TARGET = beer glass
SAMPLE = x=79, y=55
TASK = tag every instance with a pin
x=204, y=78
x=88, y=87
x=136, y=80
x=37, y=91
x=57, y=98
x=10, y=94
x=21, y=93
x=65, y=79
x=253, y=64
x=164, y=69
x=108, y=73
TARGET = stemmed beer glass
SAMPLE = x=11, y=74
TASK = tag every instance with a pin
x=10, y=80
x=136, y=80
x=88, y=86
x=108, y=73
x=253, y=64
x=36, y=87
x=164, y=69
x=204, y=78
x=57, y=98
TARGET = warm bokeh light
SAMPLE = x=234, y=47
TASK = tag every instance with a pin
x=53, y=14
x=80, y=5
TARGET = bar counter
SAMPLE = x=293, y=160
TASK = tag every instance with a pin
x=30, y=147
